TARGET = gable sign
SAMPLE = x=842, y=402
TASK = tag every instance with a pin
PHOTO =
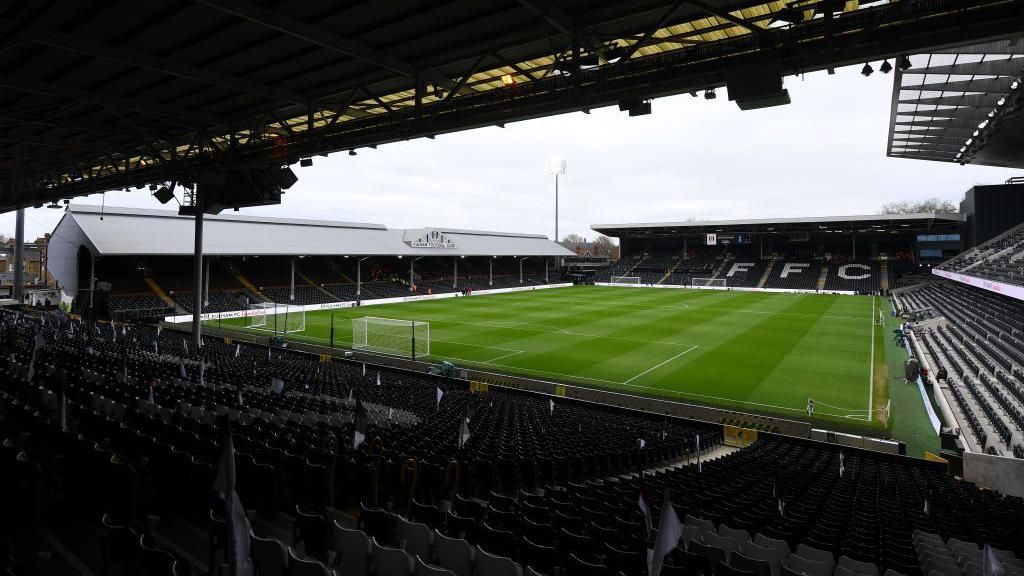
x=431, y=238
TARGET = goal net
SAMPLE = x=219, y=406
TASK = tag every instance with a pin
x=274, y=317
x=626, y=280
x=709, y=282
x=406, y=338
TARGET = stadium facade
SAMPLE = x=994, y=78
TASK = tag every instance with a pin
x=140, y=260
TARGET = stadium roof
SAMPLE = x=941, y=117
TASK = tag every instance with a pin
x=963, y=105
x=903, y=222
x=97, y=96
x=127, y=231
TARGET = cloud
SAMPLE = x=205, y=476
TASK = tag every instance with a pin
x=822, y=155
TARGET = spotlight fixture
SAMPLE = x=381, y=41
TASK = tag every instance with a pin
x=905, y=63
x=152, y=187
x=709, y=94
x=867, y=70
x=286, y=178
x=885, y=67
x=306, y=162
x=508, y=79
x=351, y=152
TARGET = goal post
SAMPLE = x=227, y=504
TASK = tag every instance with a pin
x=625, y=280
x=275, y=317
x=700, y=282
x=398, y=337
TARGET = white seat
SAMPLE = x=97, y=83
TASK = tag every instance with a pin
x=802, y=565
x=270, y=556
x=353, y=548
x=424, y=569
x=824, y=556
x=773, y=556
x=454, y=554
x=740, y=535
x=494, y=565
x=762, y=540
x=866, y=568
x=418, y=539
x=306, y=566
x=388, y=561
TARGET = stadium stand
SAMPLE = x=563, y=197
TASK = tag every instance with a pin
x=548, y=490
x=978, y=337
x=1000, y=259
x=863, y=277
x=799, y=275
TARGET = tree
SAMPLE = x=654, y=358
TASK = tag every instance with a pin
x=927, y=205
x=573, y=239
x=608, y=246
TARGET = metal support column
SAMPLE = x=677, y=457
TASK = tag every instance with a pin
x=546, y=262
x=19, y=257
x=197, y=277
x=359, y=277
x=853, y=240
x=291, y=286
x=92, y=284
x=521, y=270
x=411, y=272
x=455, y=276
x=490, y=272
x=206, y=283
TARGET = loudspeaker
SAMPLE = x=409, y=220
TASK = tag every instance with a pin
x=164, y=195
x=756, y=86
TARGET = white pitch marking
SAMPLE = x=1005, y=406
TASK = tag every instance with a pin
x=659, y=365
x=871, y=377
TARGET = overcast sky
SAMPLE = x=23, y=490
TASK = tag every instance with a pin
x=823, y=155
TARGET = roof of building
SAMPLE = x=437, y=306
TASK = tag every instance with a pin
x=961, y=105
x=99, y=96
x=916, y=222
x=114, y=231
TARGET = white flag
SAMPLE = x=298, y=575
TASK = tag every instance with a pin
x=238, y=350
x=181, y=368
x=364, y=368
x=552, y=407
x=439, y=394
x=991, y=566
x=158, y=330
x=842, y=467
x=202, y=372
x=156, y=347
x=699, y=469
x=276, y=385
x=391, y=412
x=643, y=443
x=464, y=433
x=185, y=345
x=378, y=378
x=670, y=529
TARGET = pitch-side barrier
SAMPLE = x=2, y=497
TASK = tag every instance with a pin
x=729, y=288
x=349, y=304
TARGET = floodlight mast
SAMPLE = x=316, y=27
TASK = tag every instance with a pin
x=556, y=166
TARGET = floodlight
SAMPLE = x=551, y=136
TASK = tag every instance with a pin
x=164, y=194
x=351, y=152
x=709, y=94
x=306, y=162
x=508, y=79
x=867, y=69
x=905, y=63
x=885, y=67
x=556, y=166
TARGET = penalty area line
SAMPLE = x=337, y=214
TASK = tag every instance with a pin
x=660, y=364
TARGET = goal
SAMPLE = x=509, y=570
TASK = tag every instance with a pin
x=274, y=317
x=406, y=338
x=625, y=280
x=709, y=282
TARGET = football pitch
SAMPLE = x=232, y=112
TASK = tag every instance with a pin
x=752, y=351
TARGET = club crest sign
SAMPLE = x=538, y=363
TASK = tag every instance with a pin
x=430, y=238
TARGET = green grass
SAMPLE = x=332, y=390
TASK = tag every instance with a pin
x=752, y=351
